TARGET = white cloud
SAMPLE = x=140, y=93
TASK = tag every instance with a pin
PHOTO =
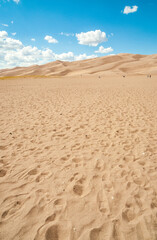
x=67, y=34
x=104, y=50
x=33, y=39
x=84, y=56
x=5, y=25
x=3, y=34
x=16, y=1
x=12, y=22
x=13, y=53
x=91, y=38
x=65, y=56
x=129, y=9
x=50, y=39
x=7, y=43
x=4, y=1
x=14, y=33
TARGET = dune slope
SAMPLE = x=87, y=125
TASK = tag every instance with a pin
x=129, y=64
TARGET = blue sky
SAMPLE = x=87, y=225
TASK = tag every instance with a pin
x=40, y=31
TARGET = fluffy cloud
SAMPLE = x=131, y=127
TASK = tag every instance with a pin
x=84, y=56
x=33, y=39
x=7, y=43
x=65, y=56
x=104, y=50
x=14, y=33
x=50, y=39
x=3, y=34
x=71, y=57
x=129, y=9
x=13, y=53
x=91, y=38
x=10, y=44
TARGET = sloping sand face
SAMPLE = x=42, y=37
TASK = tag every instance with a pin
x=130, y=64
x=78, y=158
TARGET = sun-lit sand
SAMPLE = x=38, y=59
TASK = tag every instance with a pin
x=132, y=64
x=78, y=154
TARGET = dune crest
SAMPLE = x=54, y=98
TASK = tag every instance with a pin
x=131, y=64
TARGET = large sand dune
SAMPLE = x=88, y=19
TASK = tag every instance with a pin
x=78, y=155
x=111, y=65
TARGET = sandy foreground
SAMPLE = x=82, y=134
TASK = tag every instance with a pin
x=78, y=158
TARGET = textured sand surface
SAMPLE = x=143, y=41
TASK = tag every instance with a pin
x=78, y=158
x=130, y=64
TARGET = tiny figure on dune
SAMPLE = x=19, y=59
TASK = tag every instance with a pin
x=149, y=76
x=123, y=76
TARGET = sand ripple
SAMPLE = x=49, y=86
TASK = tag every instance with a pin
x=78, y=159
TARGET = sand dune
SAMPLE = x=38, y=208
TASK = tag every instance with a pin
x=78, y=156
x=129, y=64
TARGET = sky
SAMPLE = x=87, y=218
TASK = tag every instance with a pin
x=40, y=31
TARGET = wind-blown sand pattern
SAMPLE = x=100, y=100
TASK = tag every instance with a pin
x=78, y=158
x=130, y=64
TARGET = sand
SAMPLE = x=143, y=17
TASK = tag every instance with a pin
x=78, y=158
x=120, y=64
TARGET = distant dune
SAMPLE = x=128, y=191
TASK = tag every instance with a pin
x=131, y=64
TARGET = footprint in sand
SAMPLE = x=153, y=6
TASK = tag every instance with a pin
x=95, y=234
x=32, y=172
x=51, y=218
x=42, y=176
x=52, y=233
x=3, y=147
x=2, y=172
x=102, y=232
x=78, y=189
x=4, y=214
x=128, y=215
x=13, y=209
x=76, y=160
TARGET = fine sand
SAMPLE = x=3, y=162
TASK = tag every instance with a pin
x=78, y=158
x=121, y=64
